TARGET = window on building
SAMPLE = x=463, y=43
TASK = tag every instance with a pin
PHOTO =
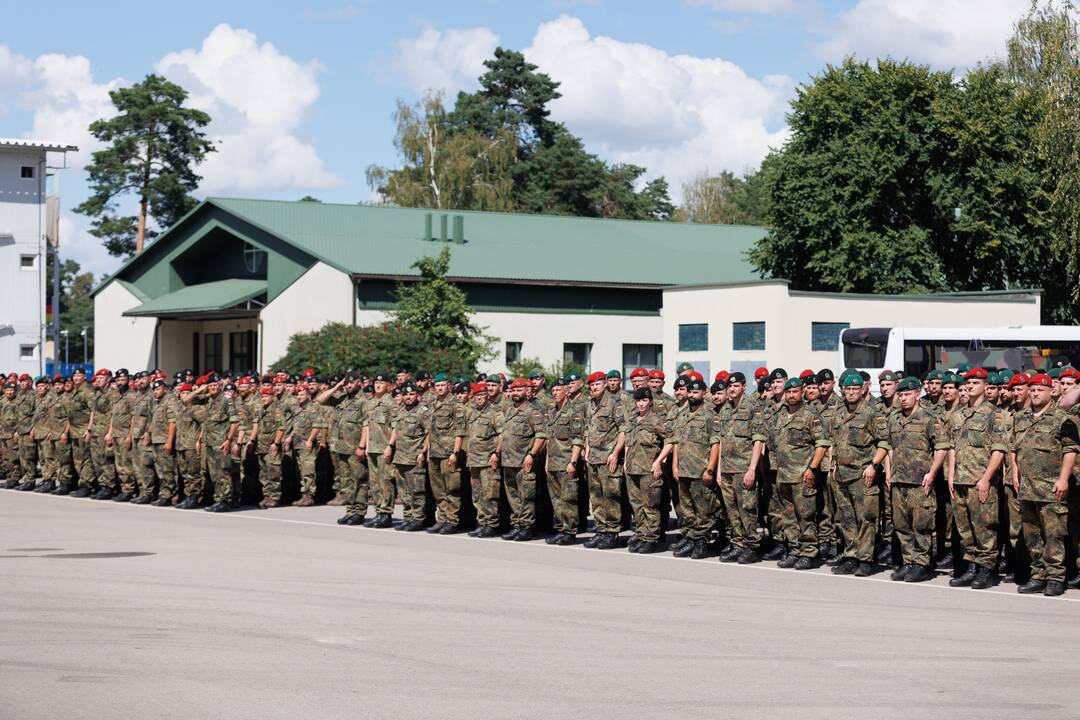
x=27, y=172
x=212, y=352
x=649, y=357
x=578, y=354
x=693, y=338
x=26, y=352
x=27, y=262
x=513, y=352
x=748, y=336
x=826, y=335
x=240, y=350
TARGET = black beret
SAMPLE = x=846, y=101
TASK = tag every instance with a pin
x=383, y=377
x=408, y=388
x=717, y=386
x=825, y=375
x=680, y=382
x=560, y=382
x=778, y=374
x=696, y=385
x=643, y=394
x=423, y=375
x=159, y=383
x=737, y=377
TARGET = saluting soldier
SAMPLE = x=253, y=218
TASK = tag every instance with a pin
x=381, y=474
x=348, y=447
x=605, y=424
x=484, y=424
x=919, y=444
x=1044, y=449
x=648, y=445
x=446, y=435
x=407, y=449
x=565, y=442
x=521, y=441
x=742, y=439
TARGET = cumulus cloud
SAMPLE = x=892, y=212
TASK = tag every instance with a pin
x=952, y=34
x=79, y=245
x=449, y=60
x=258, y=97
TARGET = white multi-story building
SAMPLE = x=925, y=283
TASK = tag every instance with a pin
x=24, y=223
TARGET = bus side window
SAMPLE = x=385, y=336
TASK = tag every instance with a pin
x=917, y=358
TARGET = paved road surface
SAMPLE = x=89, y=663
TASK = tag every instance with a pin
x=283, y=614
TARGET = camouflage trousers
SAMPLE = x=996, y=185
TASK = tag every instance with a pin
x=270, y=475
x=1010, y=507
x=740, y=509
x=699, y=506
x=411, y=488
x=798, y=512
x=521, y=494
x=48, y=463
x=914, y=514
x=219, y=468
x=65, y=473
x=165, y=467
x=946, y=522
x=383, y=488
x=1046, y=526
x=305, y=469
x=104, y=460
x=446, y=488
x=142, y=465
x=485, y=484
x=124, y=470
x=977, y=524
x=828, y=532
x=28, y=458
x=563, y=491
x=189, y=471
x=645, y=492
x=9, y=459
x=605, y=497
x=857, y=508
x=83, y=461
x=671, y=483
x=352, y=474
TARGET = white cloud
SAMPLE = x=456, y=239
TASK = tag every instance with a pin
x=258, y=98
x=944, y=33
x=674, y=114
x=79, y=245
x=448, y=60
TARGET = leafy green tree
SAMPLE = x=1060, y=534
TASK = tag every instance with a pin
x=153, y=143
x=76, y=309
x=524, y=366
x=436, y=309
x=722, y=199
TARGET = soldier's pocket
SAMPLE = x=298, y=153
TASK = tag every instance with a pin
x=654, y=491
x=527, y=485
x=1059, y=515
x=489, y=480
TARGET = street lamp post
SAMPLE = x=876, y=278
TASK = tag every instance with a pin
x=83, y=333
x=65, y=334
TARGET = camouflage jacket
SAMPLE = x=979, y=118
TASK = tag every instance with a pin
x=187, y=425
x=58, y=414
x=270, y=418
x=565, y=429
x=120, y=415
x=220, y=413
x=80, y=405
x=522, y=424
x=141, y=410
x=380, y=418
x=1040, y=442
x=483, y=425
x=793, y=436
x=447, y=423
x=40, y=421
x=308, y=417
x=914, y=439
x=24, y=405
x=347, y=425
x=976, y=433
x=411, y=424
x=163, y=414
x=103, y=406
x=855, y=435
x=646, y=436
x=604, y=420
x=9, y=419
x=693, y=433
x=740, y=427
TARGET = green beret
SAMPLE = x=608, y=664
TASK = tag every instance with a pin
x=933, y=375
x=1006, y=376
x=683, y=367
x=851, y=379
x=793, y=383
x=887, y=375
x=536, y=374
x=951, y=378
x=961, y=369
x=442, y=377
x=572, y=376
x=909, y=383
x=614, y=374
x=1054, y=373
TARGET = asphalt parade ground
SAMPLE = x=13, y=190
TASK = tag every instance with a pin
x=120, y=611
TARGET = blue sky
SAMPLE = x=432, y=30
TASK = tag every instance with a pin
x=302, y=93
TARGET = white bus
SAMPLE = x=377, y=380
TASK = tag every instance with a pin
x=917, y=350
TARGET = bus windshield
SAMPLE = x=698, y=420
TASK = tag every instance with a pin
x=923, y=355
x=865, y=347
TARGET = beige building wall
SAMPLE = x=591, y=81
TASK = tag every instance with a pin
x=319, y=296
x=789, y=315
x=121, y=342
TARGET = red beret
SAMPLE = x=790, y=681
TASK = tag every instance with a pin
x=1018, y=379
x=657, y=374
x=522, y=383
x=186, y=387
x=807, y=373
x=883, y=373
x=267, y=390
x=977, y=373
x=279, y=380
x=1067, y=372
x=639, y=372
x=25, y=376
x=101, y=372
x=760, y=373
x=695, y=375
x=597, y=377
x=201, y=380
x=1040, y=379
x=478, y=388
x=722, y=376
x=308, y=373
x=13, y=376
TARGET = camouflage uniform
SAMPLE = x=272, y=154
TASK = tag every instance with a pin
x=694, y=432
x=741, y=426
x=308, y=418
x=484, y=427
x=411, y=424
x=604, y=420
x=793, y=437
x=40, y=423
x=164, y=414
x=188, y=466
x=220, y=414
x=349, y=470
x=142, y=457
x=271, y=419
x=58, y=418
x=1040, y=442
x=80, y=406
x=380, y=418
x=447, y=424
x=102, y=455
x=28, y=456
x=9, y=442
x=646, y=436
x=914, y=439
x=977, y=432
x=565, y=431
x=121, y=425
x=522, y=424
x=828, y=532
x=855, y=435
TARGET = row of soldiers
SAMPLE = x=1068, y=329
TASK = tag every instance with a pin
x=794, y=472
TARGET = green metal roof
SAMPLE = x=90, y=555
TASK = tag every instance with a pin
x=217, y=295
x=385, y=241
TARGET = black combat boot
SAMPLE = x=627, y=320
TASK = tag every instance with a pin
x=918, y=573
x=965, y=579
x=1031, y=587
x=984, y=578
